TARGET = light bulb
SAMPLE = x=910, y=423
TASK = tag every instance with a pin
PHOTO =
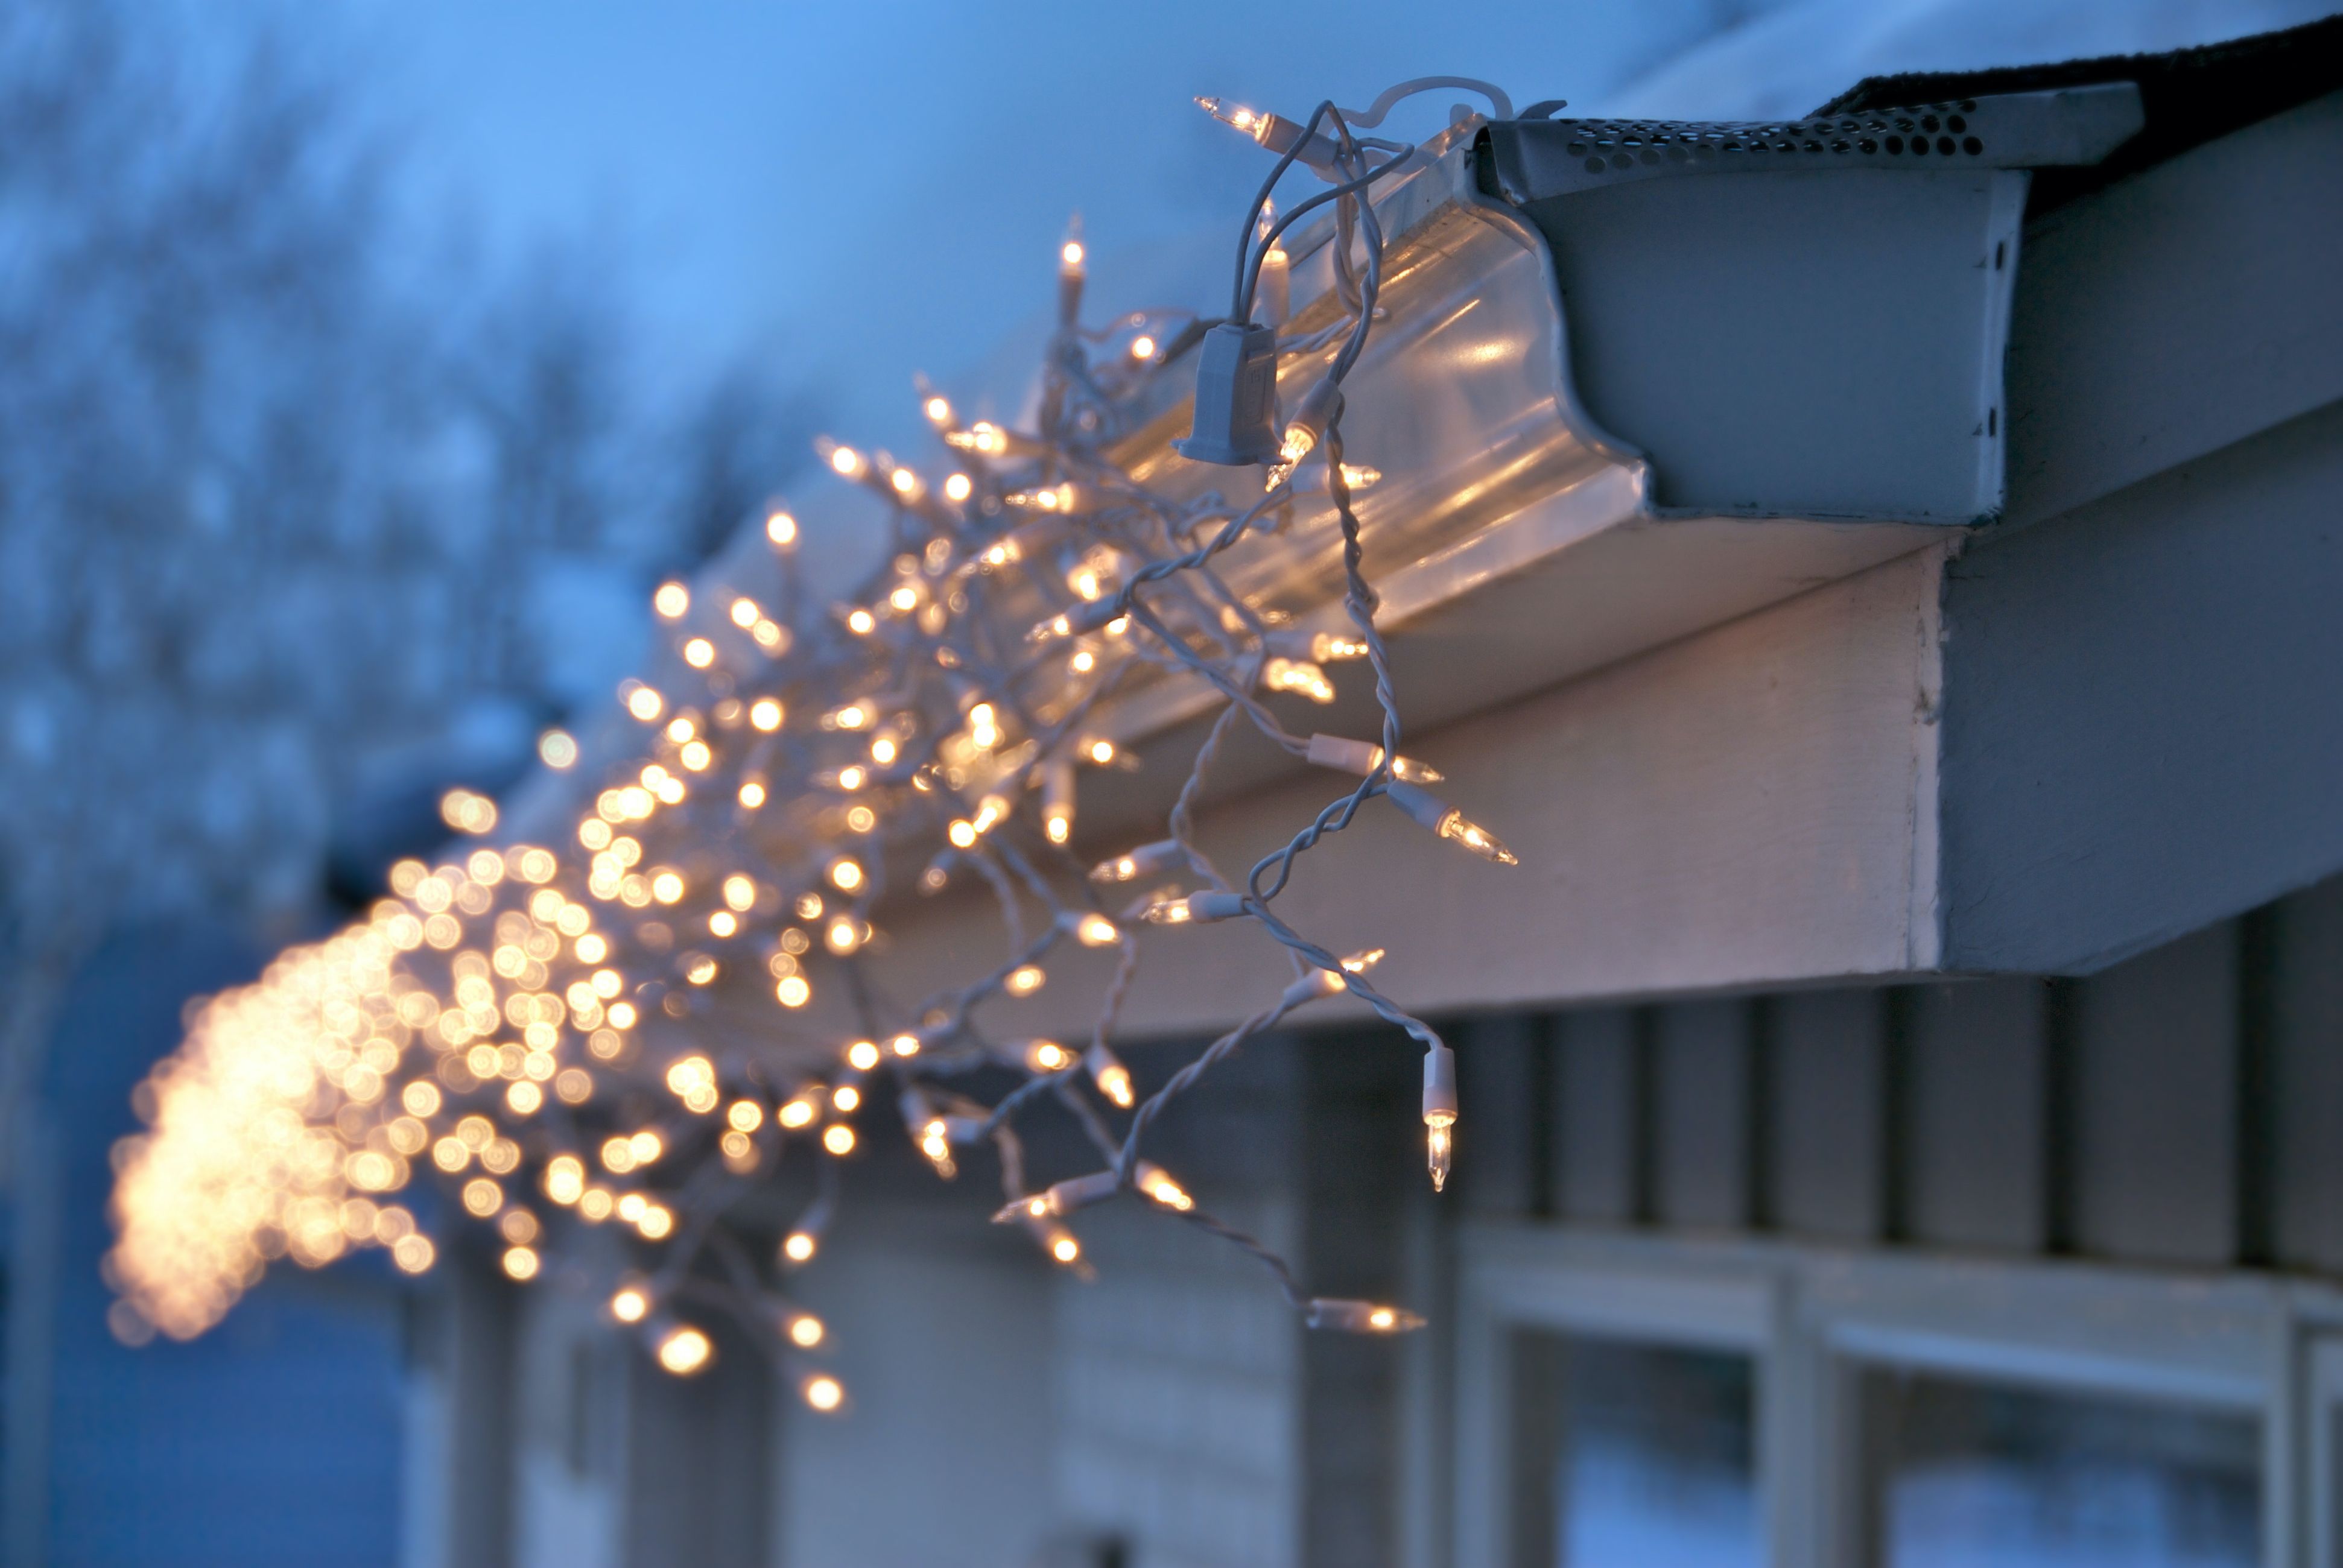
x=780, y=528
x=630, y=1304
x=1112, y=1078
x=1439, y=1112
x=1363, y=757
x=823, y=1392
x=1144, y=861
x=1163, y=1190
x=805, y=1330
x=685, y=1351
x=1439, y=1148
x=1478, y=839
x=1096, y=931
x=1142, y=347
x=671, y=600
x=938, y=410
x=1299, y=676
x=1358, y=1317
x=1431, y=811
x=799, y=1246
x=959, y=488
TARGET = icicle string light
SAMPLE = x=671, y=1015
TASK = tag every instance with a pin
x=517, y=1021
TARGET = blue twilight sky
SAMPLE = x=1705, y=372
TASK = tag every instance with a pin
x=873, y=188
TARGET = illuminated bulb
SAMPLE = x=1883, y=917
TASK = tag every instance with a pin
x=805, y=1330
x=861, y=622
x=795, y=1113
x=752, y=794
x=680, y=729
x=1439, y=1148
x=644, y=703
x=844, y=935
x=1163, y=1190
x=739, y=892
x=557, y=748
x=938, y=410
x=1100, y=751
x=846, y=1098
x=1297, y=675
x=963, y=834
x=667, y=887
x=862, y=1055
x=630, y=1303
x=883, y=749
x=684, y=1350
x=1142, y=347
x=1096, y=931
x=1048, y=1056
x=671, y=600
x=1358, y=1317
x=794, y=991
x=853, y=716
x=798, y=1246
x=782, y=528
x=959, y=488
x=1107, y=1070
x=1439, y=1112
x=1320, y=984
x=765, y=714
x=1202, y=909
x=1478, y=839
x=845, y=874
x=1431, y=811
x=699, y=653
x=745, y=1116
x=723, y=923
x=905, y=599
x=1083, y=662
x=1327, y=647
x=1070, y=255
x=838, y=1137
x=1230, y=114
x=846, y=461
x=521, y=1262
x=905, y=1045
x=1065, y=1248
x=696, y=756
x=1024, y=980
x=1362, y=757
x=1143, y=861
x=824, y=1392
x=745, y=613
x=565, y=1179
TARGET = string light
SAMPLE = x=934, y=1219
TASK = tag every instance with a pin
x=431, y=1038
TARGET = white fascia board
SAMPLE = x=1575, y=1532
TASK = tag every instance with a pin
x=1758, y=750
